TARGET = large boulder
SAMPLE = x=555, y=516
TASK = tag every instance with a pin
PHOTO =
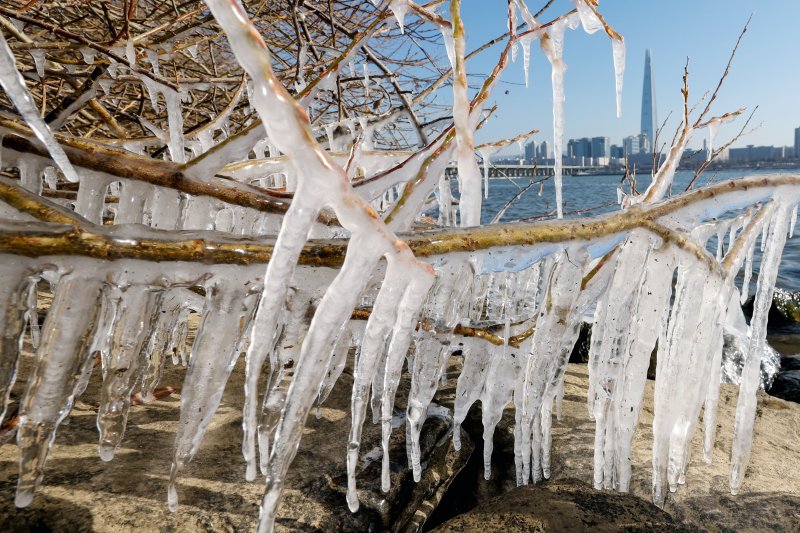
x=704, y=502
x=566, y=505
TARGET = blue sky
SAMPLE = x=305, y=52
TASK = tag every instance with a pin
x=765, y=71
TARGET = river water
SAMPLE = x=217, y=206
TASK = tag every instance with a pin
x=586, y=192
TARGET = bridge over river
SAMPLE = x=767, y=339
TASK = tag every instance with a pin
x=529, y=171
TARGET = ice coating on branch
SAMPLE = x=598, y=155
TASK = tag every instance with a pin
x=320, y=182
x=17, y=92
x=589, y=19
x=469, y=175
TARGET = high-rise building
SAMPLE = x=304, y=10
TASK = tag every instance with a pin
x=797, y=142
x=630, y=145
x=601, y=147
x=530, y=153
x=544, y=151
x=649, y=118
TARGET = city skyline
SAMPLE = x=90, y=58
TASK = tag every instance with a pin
x=672, y=34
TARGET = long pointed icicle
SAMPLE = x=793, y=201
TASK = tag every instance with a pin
x=746, y=405
x=229, y=306
x=398, y=348
x=553, y=47
x=61, y=356
x=17, y=92
x=378, y=327
x=122, y=365
x=13, y=295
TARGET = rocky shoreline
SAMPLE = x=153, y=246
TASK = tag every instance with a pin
x=82, y=493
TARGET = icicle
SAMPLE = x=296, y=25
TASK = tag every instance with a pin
x=60, y=360
x=105, y=84
x=121, y=366
x=50, y=177
x=618, y=52
x=399, y=9
x=720, y=241
x=152, y=58
x=17, y=92
x=485, y=154
x=746, y=405
x=88, y=54
x=336, y=365
x=504, y=372
x=130, y=53
x=13, y=306
x=713, y=128
x=229, y=307
x=525, y=43
x=556, y=331
x=175, y=117
x=366, y=80
x=384, y=318
x=553, y=47
x=470, y=381
x=39, y=59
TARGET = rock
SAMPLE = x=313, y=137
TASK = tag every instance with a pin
x=790, y=363
x=785, y=309
x=567, y=505
x=733, y=361
x=785, y=306
x=580, y=352
x=787, y=385
x=82, y=493
x=704, y=502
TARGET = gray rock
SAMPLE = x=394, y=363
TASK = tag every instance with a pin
x=770, y=492
x=787, y=385
x=733, y=361
x=568, y=505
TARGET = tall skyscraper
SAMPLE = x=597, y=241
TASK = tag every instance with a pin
x=649, y=119
x=797, y=142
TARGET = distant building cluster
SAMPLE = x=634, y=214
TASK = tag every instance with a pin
x=638, y=149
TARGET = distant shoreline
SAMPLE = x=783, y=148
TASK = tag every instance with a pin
x=611, y=171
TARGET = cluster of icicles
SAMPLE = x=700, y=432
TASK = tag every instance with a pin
x=134, y=313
